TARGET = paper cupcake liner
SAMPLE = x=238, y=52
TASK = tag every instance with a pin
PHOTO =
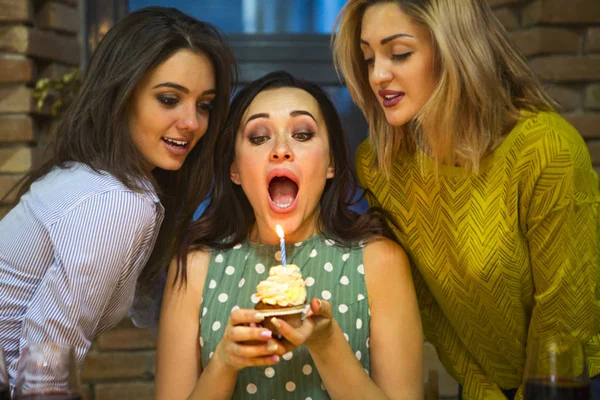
x=285, y=311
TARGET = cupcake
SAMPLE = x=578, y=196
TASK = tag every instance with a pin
x=282, y=295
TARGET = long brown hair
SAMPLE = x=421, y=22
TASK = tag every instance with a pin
x=483, y=82
x=229, y=216
x=94, y=129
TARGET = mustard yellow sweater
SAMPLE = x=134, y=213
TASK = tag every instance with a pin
x=510, y=251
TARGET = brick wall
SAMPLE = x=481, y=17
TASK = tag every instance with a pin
x=561, y=38
x=40, y=38
x=37, y=39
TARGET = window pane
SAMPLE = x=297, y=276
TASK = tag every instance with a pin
x=257, y=16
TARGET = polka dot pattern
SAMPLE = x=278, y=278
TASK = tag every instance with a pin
x=251, y=388
x=332, y=272
x=290, y=386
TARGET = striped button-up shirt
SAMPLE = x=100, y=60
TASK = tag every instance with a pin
x=70, y=255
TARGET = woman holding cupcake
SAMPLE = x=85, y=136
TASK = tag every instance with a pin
x=493, y=191
x=283, y=161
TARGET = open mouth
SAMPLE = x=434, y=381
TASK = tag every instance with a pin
x=177, y=144
x=282, y=191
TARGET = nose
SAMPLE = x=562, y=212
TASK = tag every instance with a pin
x=281, y=151
x=188, y=120
x=381, y=72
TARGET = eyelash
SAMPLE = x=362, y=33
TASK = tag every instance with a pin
x=395, y=57
x=206, y=106
x=260, y=139
x=257, y=140
x=170, y=101
x=308, y=135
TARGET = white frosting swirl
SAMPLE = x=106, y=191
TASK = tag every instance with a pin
x=284, y=287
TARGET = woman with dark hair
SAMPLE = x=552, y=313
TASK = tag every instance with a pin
x=493, y=190
x=129, y=164
x=284, y=160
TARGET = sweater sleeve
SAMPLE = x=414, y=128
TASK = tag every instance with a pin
x=562, y=232
x=451, y=350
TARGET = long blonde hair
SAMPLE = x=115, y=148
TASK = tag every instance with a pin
x=483, y=82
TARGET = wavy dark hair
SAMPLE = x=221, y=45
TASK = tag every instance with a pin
x=229, y=217
x=94, y=129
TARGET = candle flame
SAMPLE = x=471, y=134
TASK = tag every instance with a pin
x=279, y=231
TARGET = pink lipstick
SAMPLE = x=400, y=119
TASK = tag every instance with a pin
x=390, y=97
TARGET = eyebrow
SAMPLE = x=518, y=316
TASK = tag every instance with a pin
x=388, y=39
x=182, y=88
x=294, y=113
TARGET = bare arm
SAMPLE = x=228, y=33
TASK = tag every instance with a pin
x=178, y=351
x=396, y=339
x=179, y=372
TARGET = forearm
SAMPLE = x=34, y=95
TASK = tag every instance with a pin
x=342, y=374
x=217, y=381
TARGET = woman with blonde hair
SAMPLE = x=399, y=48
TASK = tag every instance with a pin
x=494, y=192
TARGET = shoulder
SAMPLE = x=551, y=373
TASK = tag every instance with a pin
x=364, y=162
x=80, y=190
x=365, y=154
x=548, y=133
x=388, y=275
x=383, y=254
x=197, y=263
x=125, y=208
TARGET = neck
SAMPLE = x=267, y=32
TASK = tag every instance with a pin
x=263, y=234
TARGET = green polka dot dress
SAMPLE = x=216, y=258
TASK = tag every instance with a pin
x=332, y=273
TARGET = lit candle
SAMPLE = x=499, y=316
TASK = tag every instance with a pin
x=279, y=231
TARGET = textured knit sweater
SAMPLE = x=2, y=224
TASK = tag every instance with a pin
x=509, y=252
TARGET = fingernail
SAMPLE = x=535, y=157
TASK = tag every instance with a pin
x=276, y=322
x=259, y=316
x=272, y=348
x=266, y=334
x=319, y=301
x=275, y=358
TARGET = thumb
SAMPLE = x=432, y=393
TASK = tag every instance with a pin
x=321, y=308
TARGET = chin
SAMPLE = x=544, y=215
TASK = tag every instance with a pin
x=171, y=166
x=397, y=119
